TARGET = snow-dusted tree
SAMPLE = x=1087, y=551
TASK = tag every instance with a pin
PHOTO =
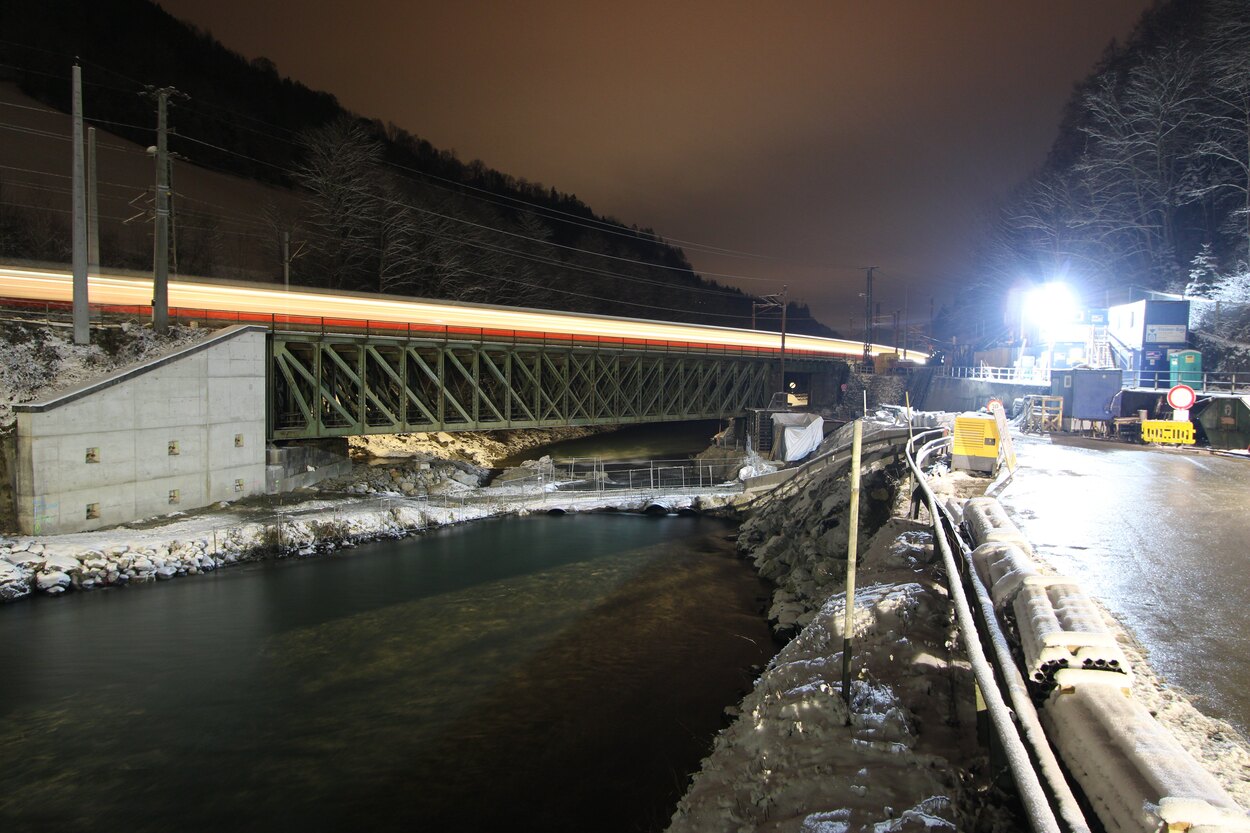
x=1138, y=169
x=341, y=172
x=1204, y=274
x=1227, y=143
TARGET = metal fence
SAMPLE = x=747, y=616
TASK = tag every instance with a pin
x=1232, y=383
x=1161, y=380
x=1008, y=375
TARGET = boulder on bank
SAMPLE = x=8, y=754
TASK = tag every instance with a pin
x=797, y=537
x=14, y=582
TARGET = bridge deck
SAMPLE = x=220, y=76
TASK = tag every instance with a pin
x=339, y=385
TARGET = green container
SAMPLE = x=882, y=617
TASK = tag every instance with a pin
x=1186, y=367
x=1226, y=419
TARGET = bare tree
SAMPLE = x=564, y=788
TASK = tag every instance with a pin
x=341, y=171
x=1227, y=144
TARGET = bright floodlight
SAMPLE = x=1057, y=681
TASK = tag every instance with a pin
x=1051, y=306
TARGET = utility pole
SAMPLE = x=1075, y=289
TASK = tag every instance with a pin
x=784, y=303
x=868, y=334
x=286, y=264
x=93, y=207
x=906, y=317
x=160, y=259
x=82, y=324
x=775, y=301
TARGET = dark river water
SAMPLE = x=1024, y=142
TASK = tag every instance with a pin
x=648, y=441
x=542, y=673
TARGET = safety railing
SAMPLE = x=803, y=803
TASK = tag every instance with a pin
x=1007, y=375
x=1202, y=382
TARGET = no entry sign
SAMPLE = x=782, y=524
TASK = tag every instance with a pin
x=1181, y=398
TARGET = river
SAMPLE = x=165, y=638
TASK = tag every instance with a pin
x=539, y=673
x=631, y=443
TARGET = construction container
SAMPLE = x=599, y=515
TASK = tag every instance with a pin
x=1226, y=420
x=1089, y=393
x=1186, y=367
x=975, y=443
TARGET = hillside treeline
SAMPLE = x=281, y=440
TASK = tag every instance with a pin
x=378, y=209
x=1147, y=186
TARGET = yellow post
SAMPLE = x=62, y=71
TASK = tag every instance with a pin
x=852, y=546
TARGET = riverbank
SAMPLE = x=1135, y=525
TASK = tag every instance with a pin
x=904, y=753
x=301, y=525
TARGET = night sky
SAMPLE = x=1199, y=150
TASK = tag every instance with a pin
x=816, y=137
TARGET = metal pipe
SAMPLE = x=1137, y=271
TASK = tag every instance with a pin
x=1032, y=795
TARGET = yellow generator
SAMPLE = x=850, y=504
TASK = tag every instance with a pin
x=975, y=444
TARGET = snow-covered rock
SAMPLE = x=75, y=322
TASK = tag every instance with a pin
x=14, y=582
x=52, y=581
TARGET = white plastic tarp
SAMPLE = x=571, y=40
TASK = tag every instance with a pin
x=796, y=435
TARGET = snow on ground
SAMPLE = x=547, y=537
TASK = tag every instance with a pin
x=207, y=540
x=37, y=360
x=908, y=760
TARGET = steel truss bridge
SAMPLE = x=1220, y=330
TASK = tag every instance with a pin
x=328, y=385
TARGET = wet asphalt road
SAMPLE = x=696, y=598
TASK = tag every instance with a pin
x=1162, y=537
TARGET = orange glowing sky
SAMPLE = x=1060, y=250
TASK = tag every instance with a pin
x=824, y=136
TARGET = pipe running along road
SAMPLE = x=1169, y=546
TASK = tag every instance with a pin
x=223, y=299
x=1033, y=795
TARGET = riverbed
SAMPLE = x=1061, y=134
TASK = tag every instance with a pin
x=630, y=443
x=555, y=673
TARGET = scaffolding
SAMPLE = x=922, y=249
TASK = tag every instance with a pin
x=1043, y=414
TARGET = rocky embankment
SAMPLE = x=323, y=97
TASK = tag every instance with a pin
x=484, y=449
x=214, y=539
x=903, y=754
x=796, y=537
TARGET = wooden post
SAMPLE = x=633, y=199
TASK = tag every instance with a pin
x=852, y=546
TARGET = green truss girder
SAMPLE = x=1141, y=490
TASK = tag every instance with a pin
x=338, y=385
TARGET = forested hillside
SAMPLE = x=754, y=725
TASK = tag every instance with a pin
x=1146, y=187
x=368, y=206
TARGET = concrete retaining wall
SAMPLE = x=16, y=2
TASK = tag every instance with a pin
x=958, y=395
x=177, y=433
x=297, y=466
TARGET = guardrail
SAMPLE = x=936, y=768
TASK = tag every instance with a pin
x=1007, y=375
x=1161, y=380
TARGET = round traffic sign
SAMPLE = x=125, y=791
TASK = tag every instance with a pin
x=993, y=403
x=1181, y=398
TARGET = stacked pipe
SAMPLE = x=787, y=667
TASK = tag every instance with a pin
x=1059, y=627
x=988, y=523
x=1002, y=569
x=1134, y=773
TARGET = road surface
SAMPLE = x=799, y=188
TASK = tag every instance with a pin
x=1162, y=537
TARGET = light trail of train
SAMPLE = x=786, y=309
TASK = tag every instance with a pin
x=224, y=299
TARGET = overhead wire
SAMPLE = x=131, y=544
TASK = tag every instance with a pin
x=537, y=210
